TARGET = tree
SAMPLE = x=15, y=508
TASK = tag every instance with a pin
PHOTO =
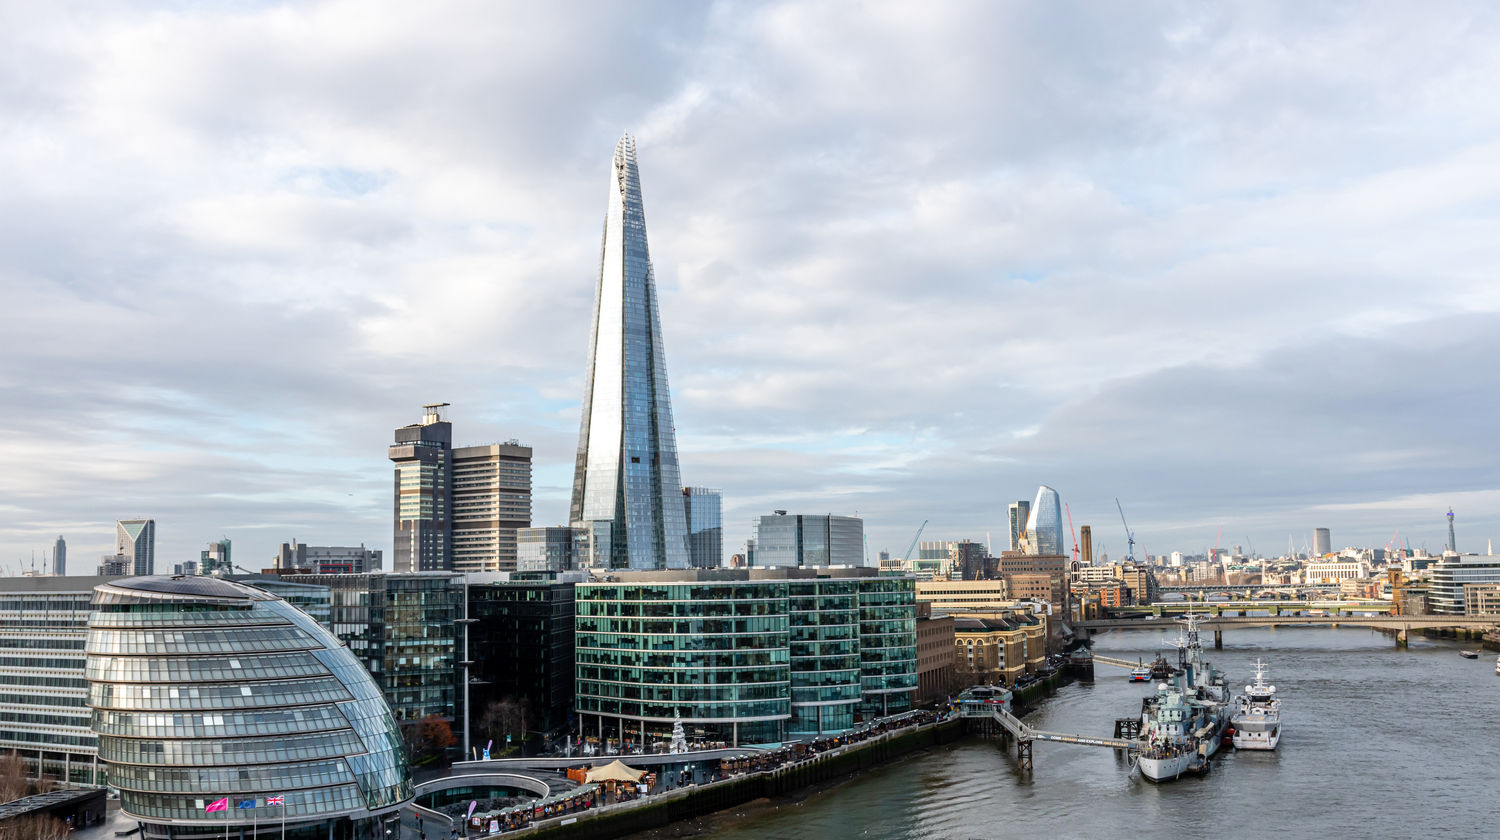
x=428, y=737
x=15, y=781
x=507, y=716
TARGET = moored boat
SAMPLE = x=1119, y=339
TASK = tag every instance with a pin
x=1469, y=654
x=1256, y=724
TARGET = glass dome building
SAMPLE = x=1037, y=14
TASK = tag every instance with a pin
x=203, y=689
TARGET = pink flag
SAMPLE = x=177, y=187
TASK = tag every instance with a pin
x=221, y=805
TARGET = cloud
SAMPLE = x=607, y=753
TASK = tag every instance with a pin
x=1232, y=264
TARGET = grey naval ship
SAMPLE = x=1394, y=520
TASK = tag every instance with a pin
x=1183, y=725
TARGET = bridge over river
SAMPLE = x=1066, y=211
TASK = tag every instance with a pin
x=1400, y=624
x=991, y=711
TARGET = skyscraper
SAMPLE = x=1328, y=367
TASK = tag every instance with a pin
x=136, y=539
x=1322, y=542
x=1044, y=526
x=423, y=453
x=626, y=485
x=705, y=521
x=491, y=500
x=60, y=556
x=1019, y=512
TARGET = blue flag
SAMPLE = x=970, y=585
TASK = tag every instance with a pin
x=247, y=803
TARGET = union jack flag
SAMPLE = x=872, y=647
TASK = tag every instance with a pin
x=275, y=800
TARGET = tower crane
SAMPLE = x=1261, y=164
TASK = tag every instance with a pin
x=1129, y=534
x=913, y=547
x=1072, y=531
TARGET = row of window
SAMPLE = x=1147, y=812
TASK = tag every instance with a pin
x=272, y=778
x=230, y=751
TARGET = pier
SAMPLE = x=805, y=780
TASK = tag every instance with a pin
x=1013, y=728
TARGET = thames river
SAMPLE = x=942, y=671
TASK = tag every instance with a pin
x=1378, y=742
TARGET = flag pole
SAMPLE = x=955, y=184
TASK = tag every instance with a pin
x=283, y=816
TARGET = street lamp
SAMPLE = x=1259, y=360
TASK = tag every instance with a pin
x=466, y=662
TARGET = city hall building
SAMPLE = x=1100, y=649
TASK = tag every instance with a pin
x=756, y=656
x=219, y=707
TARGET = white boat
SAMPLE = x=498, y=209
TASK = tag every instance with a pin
x=1256, y=724
x=1141, y=674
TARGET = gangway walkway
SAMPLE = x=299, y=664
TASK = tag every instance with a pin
x=1025, y=734
x=1119, y=663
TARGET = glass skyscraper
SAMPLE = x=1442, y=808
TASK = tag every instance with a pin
x=705, y=521
x=1044, y=528
x=626, y=486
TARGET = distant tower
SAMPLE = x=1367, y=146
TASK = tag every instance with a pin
x=1019, y=512
x=136, y=539
x=1044, y=525
x=1452, y=544
x=1322, y=542
x=60, y=557
x=1086, y=545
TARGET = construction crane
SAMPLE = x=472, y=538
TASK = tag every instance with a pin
x=1072, y=531
x=1129, y=535
x=913, y=547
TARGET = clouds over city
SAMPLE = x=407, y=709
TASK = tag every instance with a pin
x=1235, y=266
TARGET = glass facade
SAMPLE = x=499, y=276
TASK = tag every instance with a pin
x=1044, y=528
x=626, y=479
x=795, y=540
x=204, y=688
x=521, y=643
x=404, y=628
x=705, y=521
x=44, y=714
x=825, y=654
x=744, y=657
x=887, y=644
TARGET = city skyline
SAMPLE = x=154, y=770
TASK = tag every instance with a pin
x=1229, y=265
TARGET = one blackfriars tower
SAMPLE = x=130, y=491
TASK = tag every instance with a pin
x=627, y=493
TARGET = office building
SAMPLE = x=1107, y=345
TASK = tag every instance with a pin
x=954, y=596
x=404, y=628
x=1449, y=576
x=456, y=509
x=935, y=677
x=552, y=549
x=205, y=689
x=491, y=500
x=1044, y=525
x=1019, y=513
x=136, y=540
x=626, y=484
x=521, y=644
x=966, y=560
x=742, y=656
x=798, y=541
x=1322, y=542
x=215, y=560
x=44, y=713
x=60, y=556
x=113, y=565
x=932, y=559
x=423, y=454
x=704, y=509
x=300, y=558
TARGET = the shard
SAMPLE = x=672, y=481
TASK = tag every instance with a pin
x=627, y=491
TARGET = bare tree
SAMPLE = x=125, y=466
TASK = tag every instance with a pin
x=15, y=777
x=36, y=827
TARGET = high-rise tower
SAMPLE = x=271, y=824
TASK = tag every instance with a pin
x=136, y=540
x=1044, y=524
x=626, y=486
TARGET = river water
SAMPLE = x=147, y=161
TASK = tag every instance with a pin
x=1378, y=742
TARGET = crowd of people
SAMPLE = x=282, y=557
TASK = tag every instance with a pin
x=760, y=761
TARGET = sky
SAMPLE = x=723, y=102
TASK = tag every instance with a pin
x=1233, y=264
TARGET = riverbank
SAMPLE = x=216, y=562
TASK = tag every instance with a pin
x=747, y=792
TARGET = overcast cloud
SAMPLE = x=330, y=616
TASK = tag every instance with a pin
x=1233, y=264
